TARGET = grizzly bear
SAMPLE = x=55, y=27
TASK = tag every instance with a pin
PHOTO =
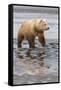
x=30, y=29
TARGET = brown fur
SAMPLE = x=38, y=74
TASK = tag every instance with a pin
x=30, y=29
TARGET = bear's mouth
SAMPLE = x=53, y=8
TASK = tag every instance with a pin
x=45, y=29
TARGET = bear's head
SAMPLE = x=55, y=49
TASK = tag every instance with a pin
x=41, y=25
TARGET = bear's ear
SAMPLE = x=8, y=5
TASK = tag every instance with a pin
x=41, y=20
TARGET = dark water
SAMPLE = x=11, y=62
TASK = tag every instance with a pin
x=38, y=65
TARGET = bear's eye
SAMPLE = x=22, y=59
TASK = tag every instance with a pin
x=44, y=23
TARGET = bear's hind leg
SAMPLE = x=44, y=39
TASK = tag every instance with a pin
x=20, y=39
x=31, y=42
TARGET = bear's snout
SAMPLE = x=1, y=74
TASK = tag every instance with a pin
x=45, y=29
x=48, y=28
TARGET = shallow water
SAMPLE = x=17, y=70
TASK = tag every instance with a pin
x=38, y=65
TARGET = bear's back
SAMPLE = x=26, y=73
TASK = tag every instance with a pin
x=27, y=26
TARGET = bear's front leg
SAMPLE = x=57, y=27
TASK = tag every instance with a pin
x=42, y=38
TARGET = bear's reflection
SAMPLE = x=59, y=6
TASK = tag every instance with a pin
x=32, y=61
x=32, y=56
